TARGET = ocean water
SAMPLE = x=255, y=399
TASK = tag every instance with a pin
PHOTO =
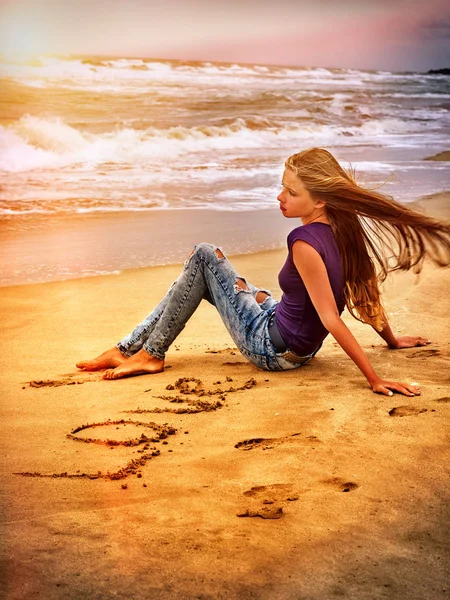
x=93, y=136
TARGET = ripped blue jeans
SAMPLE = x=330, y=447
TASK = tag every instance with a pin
x=208, y=274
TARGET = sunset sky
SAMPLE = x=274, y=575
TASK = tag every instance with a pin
x=380, y=34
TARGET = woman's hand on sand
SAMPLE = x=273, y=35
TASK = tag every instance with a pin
x=389, y=387
x=410, y=341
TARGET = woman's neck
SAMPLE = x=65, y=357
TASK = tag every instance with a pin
x=322, y=218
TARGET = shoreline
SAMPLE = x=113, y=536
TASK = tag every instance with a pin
x=85, y=246
x=59, y=250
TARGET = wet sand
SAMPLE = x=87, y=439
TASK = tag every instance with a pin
x=213, y=479
x=441, y=156
x=45, y=248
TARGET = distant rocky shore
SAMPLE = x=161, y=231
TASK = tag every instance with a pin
x=438, y=72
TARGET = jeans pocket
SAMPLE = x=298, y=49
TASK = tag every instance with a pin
x=258, y=360
x=284, y=364
x=279, y=361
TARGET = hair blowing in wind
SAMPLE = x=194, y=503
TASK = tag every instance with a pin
x=374, y=233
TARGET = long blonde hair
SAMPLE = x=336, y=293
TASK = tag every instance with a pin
x=375, y=234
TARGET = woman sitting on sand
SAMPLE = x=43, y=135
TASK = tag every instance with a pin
x=348, y=234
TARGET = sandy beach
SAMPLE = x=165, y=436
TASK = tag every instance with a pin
x=214, y=480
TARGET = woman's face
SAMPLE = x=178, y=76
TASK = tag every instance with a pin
x=295, y=200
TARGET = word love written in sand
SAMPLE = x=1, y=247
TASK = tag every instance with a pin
x=190, y=391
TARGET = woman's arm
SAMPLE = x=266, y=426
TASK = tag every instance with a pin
x=405, y=341
x=313, y=272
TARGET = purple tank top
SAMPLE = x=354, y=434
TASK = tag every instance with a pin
x=297, y=319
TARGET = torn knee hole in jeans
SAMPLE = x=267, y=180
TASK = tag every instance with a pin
x=241, y=286
x=261, y=297
x=220, y=255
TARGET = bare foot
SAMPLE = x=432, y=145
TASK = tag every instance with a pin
x=111, y=358
x=138, y=364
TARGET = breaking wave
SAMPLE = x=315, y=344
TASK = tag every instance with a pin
x=46, y=143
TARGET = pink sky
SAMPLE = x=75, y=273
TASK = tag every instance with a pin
x=392, y=35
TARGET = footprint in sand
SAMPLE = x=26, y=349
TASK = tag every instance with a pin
x=340, y=484
x=406, y=411
x=268, y=500
x=269, y=443
x=423, y=353
x=271, y=493
x=445, y=399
